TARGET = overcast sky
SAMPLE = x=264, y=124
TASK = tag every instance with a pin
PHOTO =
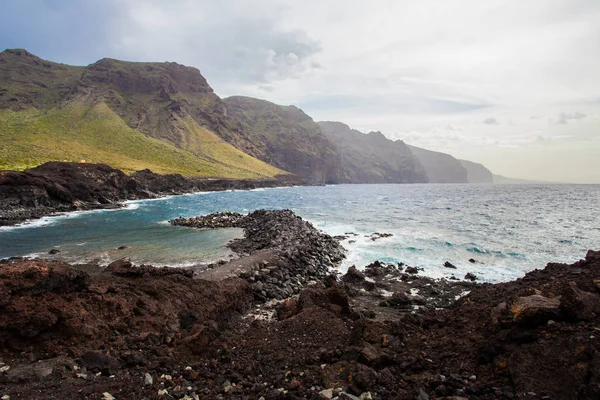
x=512, y=84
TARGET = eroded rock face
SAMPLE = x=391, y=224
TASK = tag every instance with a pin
x=285, y=137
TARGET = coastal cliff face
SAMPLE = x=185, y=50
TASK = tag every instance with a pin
x=372, y=158
x=440, y=167
x=477, y=173
x=287, y=138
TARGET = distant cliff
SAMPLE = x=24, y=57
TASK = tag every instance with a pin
x=477, y=173
x=440, y=167
x=372, y=158
x=284, y=136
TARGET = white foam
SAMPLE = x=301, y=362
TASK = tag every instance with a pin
x=34, y=223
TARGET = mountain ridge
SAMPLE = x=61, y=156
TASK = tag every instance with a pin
x=137, y=108
x=166, y=117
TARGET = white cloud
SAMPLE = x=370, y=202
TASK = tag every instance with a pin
x=396, y=66
x=491, y=121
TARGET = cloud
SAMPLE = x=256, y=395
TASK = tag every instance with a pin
x=420, y=68
x=490, y=121
x=564, y=117
x=234, y=43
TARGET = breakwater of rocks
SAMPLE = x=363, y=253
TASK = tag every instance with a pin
x=282, y=251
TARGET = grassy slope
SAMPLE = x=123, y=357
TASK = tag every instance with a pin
x=81, y=131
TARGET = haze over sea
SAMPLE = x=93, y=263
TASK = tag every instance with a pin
x=508, y=229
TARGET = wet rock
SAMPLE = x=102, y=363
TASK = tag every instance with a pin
x=411, y=270
x=376, y=236
x=472, y=260
x=470, y=276
x=400, y=300
x=448, y=264
x=353, y=275
x=226, y=219
x=54, y=251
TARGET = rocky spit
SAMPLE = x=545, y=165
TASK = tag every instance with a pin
x=280, y=252
x=382, y=332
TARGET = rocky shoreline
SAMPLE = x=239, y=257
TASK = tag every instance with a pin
x=59, y=187
x=280, y=252
x=276, y=323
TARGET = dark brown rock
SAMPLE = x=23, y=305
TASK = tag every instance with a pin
x=96, y=361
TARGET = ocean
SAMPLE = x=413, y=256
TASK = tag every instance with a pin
x=507, y=229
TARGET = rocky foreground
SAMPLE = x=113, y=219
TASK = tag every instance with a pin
x=58, y=187
x=128, y=332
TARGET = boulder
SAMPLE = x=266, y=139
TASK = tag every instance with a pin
x=353, y=275
x=96, y=361
x=535, y=309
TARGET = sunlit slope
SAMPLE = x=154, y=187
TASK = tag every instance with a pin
x=93, y=132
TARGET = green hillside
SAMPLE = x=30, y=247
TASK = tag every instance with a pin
x=130, y=116
x=83, y=130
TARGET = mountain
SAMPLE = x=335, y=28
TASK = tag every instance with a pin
x=284, y=136
x=477, y=173
x=132, y=116
x=440, y=167
x=372, y=158
x=165, y=117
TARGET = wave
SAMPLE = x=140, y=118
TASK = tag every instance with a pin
x=34, y=223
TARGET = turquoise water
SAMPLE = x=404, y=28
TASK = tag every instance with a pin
x=508, y=229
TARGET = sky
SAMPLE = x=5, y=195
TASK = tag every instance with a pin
x=512, y=84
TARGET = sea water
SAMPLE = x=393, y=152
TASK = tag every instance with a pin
x=507, y=229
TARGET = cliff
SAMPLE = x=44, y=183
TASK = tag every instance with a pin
x=287, y=138
x=440, y=167
x=372, y=158
x=477, y=173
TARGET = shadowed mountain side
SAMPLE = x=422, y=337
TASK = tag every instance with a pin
x=372, y=158
x=286, y=138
